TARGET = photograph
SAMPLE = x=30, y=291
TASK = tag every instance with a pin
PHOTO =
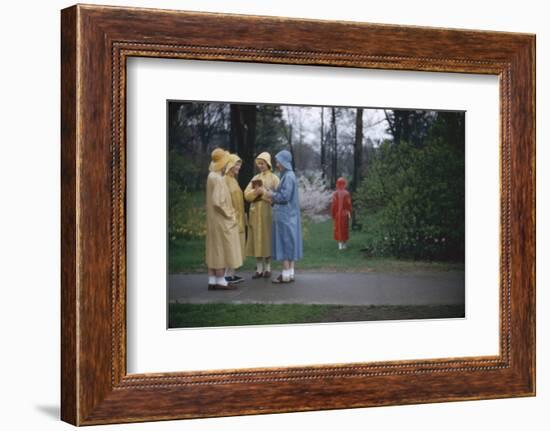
x=302, y=214
x=299, y=214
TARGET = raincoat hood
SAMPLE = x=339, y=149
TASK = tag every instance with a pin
x=220, y=158
x=284, y=158
x=233, y=160
x=341, y=183
x=266, y=157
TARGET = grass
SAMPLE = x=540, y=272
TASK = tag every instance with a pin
x=222, y=314
x=320, y=252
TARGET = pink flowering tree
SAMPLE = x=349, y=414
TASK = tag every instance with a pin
x=315, y=197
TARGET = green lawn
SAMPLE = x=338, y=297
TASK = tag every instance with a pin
x=320, y=252
x=221, y=314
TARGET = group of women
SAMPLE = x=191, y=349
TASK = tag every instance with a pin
x=273, y=229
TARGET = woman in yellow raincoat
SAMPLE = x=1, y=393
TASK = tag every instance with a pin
x=237, y=199
x=258, y=243
x=222, y=230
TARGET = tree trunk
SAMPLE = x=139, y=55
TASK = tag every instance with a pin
x=334, y=154
x=291, y=147
x=391, y=124
x=358, y=150
x=357, y=161
x=203, y=157
x=323, y=149
x=175, y=131
x=243, y=139
x=235, y=132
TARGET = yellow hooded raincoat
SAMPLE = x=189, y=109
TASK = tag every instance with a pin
x=222, y=231
x=237, y=199
x=258, y=243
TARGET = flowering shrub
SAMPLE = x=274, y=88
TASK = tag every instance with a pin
x=315, y=197
x=185, y=218
x=411, y=202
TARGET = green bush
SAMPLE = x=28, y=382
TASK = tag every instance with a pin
x=185, y=219
x=411, y=201
x=182, y=171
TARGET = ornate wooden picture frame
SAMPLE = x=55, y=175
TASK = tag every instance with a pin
x=96, y=41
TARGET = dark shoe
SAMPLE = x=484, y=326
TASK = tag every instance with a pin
x=237, y=279
x=258, y=275
x=234, y=280
x=211, y=286
x=279, y=280
x=291, y=280
x=267, y=274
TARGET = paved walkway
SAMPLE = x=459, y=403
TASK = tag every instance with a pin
x=347, y=288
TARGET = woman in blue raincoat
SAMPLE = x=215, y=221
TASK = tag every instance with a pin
x=286, y=226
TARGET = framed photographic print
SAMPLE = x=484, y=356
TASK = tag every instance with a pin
x=324, y=159
x=265, y=214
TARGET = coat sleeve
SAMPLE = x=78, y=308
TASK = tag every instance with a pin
x=273, y=184
x=283, y=193
x=276, y=182
x=249, y=192
x=219, y=203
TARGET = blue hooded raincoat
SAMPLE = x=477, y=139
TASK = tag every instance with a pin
x=287, y=227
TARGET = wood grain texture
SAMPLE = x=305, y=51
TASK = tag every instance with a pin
x=69, y=369
x=96, y=41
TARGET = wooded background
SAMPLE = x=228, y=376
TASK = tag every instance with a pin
x=405, y=168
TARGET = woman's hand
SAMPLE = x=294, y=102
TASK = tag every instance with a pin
x=259, y=191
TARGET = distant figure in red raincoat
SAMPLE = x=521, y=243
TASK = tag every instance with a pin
x=341, y=213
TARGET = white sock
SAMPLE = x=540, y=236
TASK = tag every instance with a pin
x=291, y=272
x=339, y=245
x=286, y=274
x=267, y=266
x=259, y=267
x=211, y=279
x=221, y=281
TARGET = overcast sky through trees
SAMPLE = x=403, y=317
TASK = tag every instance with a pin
x=308, y=118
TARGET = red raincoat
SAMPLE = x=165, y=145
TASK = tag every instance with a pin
x=341, y=210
